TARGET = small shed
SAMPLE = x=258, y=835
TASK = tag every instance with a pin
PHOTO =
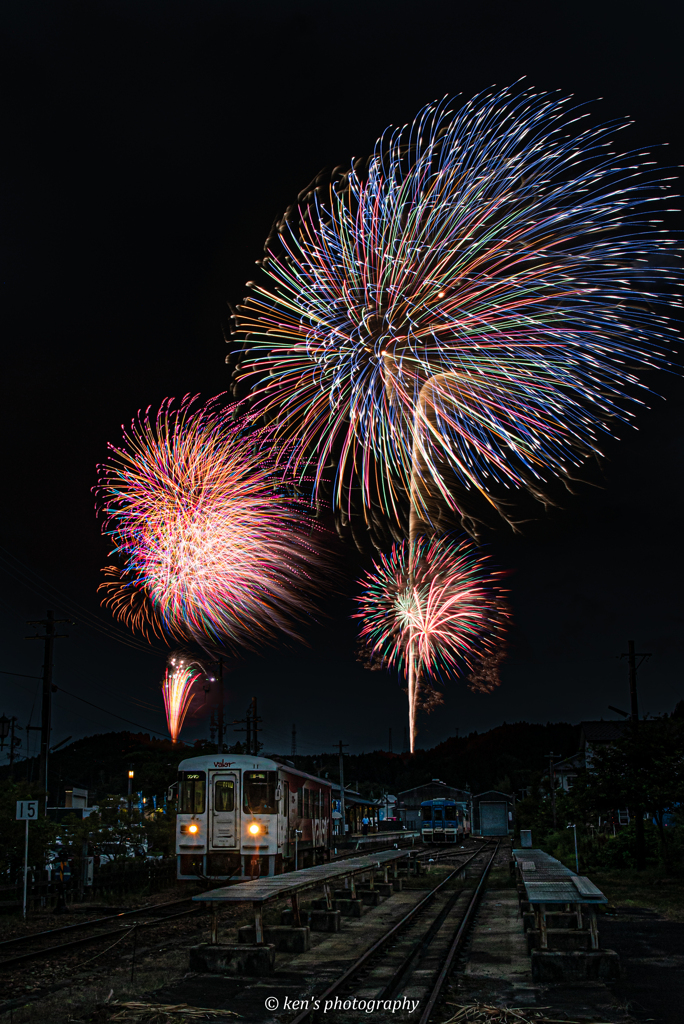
x=491, y=813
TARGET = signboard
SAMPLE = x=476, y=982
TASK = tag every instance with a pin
x=27, y=810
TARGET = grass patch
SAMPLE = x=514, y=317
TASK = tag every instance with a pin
x=651, y=888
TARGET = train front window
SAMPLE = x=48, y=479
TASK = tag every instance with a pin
x=224, y=795
x=192, y=787
x=427, y=813
x=438, y=813
x=259, y=790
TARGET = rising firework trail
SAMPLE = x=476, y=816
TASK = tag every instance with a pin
x=181, y=675
x=209, y=545
x=434, y=609
x=466, y=313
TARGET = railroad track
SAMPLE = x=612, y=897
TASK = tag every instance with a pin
x=425, y=943
x=57, y=941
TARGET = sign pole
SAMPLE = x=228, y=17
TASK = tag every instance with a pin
x=25, y=866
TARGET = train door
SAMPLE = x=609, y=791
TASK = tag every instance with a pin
x=283, y=813
x=225, y=810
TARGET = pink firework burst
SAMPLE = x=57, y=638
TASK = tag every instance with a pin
x=434, y=609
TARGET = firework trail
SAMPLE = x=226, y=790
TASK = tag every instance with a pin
x=433, y=609
x=210, y=546
x=464, y=314
x=181, y=675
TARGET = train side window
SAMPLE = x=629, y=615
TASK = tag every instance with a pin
x=224, y=795
x=192, y=792
x=307, y=800
x=426, y=813
x=300, y=802
x=259, y=792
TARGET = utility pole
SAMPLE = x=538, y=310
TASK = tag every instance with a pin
x=637, y=809
x=250, y=722
x=46, y=709
x=341, y=747
x=390, y=740
x=552, y=785
x=293, y=749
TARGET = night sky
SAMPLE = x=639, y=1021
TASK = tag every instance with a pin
x=147, y=149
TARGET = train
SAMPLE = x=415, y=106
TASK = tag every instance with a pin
x=443, y=820
x=243, y=816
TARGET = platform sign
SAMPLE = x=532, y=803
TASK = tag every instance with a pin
x=27, y=810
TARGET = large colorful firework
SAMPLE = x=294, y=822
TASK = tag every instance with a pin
x=466, y=312
x=433, y=609
x=209, y=545
x=181, y=675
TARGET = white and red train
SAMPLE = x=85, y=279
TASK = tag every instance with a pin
x=243, y=816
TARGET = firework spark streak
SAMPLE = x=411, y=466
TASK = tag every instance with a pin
x=211, y=547
x=181, y=675
x=475, y=301
x=433, y=609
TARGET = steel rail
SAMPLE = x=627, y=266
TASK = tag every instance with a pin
x=457, y=942
x=151, y=908
x=49, y=951
x=381, y=942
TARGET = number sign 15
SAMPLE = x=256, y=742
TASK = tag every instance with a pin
x=27, y=810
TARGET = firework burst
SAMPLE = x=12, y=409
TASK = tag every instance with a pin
x=181, y=675
x=466, y=312
x=210, y=547
x=433, y=609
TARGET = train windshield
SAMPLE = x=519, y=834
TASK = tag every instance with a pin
x=427, y=813
x=259, y=789
x=438, y=814
x=224, y=795
x=192, y=791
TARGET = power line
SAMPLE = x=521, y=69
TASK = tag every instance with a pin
x=45, y=589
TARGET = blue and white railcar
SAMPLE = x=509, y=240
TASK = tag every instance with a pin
x=442, y=820
x=242, y=816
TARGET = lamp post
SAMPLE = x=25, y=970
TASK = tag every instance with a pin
x=576, y=854
x=131, y=776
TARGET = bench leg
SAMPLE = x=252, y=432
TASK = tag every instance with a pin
x=296, y=916
x=544, y=938
x=214, y=923
x=258, y=924
x=593, y=928
x=328, y=897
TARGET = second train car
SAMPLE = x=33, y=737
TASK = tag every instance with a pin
x=242, y=816
x=442, y=820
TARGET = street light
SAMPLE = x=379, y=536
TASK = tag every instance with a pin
x=576, y=854
x=131, y=775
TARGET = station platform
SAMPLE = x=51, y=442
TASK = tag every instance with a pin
x=261, y=891
x=551, y=890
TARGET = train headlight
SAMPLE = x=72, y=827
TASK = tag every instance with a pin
x=193, y=828
x=254, y=829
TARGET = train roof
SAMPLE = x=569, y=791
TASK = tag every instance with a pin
x=245, y=762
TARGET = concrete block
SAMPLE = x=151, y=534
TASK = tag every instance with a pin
x=322, y=905
x=285, y=938
x=384, y=888
x=230, y=958
x=325, y=920
x=350, y=908
x=287, y=917
x=370, y=897
x=397, y=884
x=560, y=939
x=599, y=965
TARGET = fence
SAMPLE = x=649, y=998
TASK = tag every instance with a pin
x=110, y=881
